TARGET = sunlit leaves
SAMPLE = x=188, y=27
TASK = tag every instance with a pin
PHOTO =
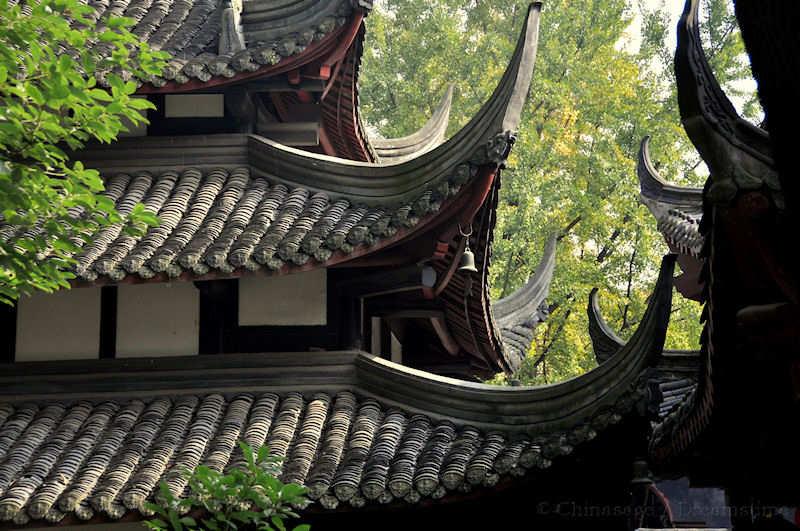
x=572, y=170
x=50, y=102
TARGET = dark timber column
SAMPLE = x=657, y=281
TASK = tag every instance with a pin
x=8, y=331
x=108, y=322
x=219, y=315
x=354, y=336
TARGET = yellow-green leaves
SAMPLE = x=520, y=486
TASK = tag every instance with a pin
x=573, y=167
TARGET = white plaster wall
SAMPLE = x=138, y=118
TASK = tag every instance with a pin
x=64, y=325
x=300, y=299
x=194, y=106
x=158, y=320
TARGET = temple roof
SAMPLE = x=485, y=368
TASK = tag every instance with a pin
x=430, y=135
x=518, y=314
x=677, y=209
x=78, y=440
x=675, y=375
x=212, y=41
x=243, y=202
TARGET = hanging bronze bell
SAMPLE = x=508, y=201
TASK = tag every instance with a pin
x=467, y=262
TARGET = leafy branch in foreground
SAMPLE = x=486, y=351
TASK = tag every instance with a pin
x=251, y=498
x=52, y=57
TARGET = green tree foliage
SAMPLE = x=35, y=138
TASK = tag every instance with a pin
x=572, y=170
x=251, y=497
x=52, y=57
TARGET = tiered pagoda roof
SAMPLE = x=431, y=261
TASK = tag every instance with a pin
x=82, y=440
x=241, y=203
x=79, y=441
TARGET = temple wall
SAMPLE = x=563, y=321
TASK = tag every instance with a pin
x=64, y=325
x=288, y=300
x=158, y=320
x=194, y=106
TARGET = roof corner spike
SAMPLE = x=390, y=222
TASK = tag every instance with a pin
x=426, y=138
x=231, y=37
x=518, y=314
x=605, y=342
x=727, y=143
x=652, y=330
x=529, y=42
x=655, y=187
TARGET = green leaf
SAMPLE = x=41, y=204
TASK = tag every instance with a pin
x=278, y=523
x=100, y=95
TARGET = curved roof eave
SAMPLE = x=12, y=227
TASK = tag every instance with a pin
x=535, y=409
x=738, y=153
x=517, y=315
x=430, y=135
x=673, y=367
x=485, y=140
x=605, y=341
x=349, y=400
x=656, y=188
x=678, y=210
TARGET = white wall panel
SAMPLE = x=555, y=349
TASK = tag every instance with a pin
x=64, y=325
x=158, y=320
x=299, y=300
x=194, y=106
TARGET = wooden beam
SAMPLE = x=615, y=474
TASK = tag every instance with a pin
x=292, y=133
x=375, y=336
x=437, y=320
x=449, y=343
x=281, y=84
x=395, y=280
